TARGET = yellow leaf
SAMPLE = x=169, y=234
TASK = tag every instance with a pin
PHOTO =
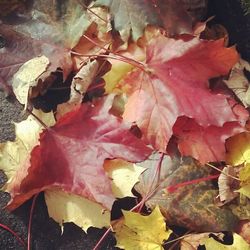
x=142, y=232
x=245, y=190
x=238, y=244
x=15, y=154
x=238, y=148
x=64, y=207
x=124, y=176
x=245, y=174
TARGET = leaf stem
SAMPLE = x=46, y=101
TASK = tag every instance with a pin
x=37, y=118
x=30, y=221
x=13, y=233
x=127, y=59
x=229, y=175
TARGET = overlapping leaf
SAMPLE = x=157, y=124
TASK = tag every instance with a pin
x=176, y=84
x=190, y=205
x=71, y=155
x=49, y=31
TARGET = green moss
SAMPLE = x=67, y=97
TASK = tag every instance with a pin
x=246, y=6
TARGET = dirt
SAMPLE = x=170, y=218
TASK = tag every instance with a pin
x=46, y=234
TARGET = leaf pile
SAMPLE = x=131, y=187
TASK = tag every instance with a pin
x=142, y=119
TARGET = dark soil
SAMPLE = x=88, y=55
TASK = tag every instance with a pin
x=45, y=233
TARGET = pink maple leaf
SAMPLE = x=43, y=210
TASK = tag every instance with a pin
x=175, y=84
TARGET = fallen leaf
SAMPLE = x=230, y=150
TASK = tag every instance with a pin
x=27, y=77
x=78, y=145
x=190, y=205
x=15, y=154
x=178, y=69
x=142, y=232
x=204, y=143
x=64, y=207
x=51, y=31
x=124, y=176
x=175, y=17
x=239, y=83
x=238, y=152
x=238, y=244
x=120, y=68
x=225, y=183
x=130, y=16
x=192, y=242
x=79, y=86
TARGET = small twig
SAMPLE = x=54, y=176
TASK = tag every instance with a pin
x=229, y=175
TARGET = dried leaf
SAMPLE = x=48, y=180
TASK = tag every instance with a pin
x=191, y=205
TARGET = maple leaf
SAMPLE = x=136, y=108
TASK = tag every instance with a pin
x=71, y=155
x=206, y=144
x=137, y=233
x=64, y=207
x=183, y=203
x=174, y=84
x=51, y=31
x=131, y=15
x=238, y=244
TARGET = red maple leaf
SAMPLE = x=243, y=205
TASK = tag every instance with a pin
x=71, y=155
x=175, y=84
x=206, y=144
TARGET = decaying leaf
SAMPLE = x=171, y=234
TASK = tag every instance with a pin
x=63, y=207
x=28, y=76
x=78, y=145
x=131, y=16
x=52, y=30
x=79, y=86
x=238, y=244
x=239, y=83
x=225, y=183
x=142, y=232
x=190, y=205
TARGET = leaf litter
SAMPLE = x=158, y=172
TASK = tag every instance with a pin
x=141, y=120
